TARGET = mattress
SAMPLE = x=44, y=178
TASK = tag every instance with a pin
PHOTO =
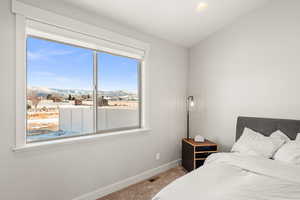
x=232, y=176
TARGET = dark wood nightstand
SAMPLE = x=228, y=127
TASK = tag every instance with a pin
x=195, y=153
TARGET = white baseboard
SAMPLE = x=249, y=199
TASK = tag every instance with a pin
x=127, y=182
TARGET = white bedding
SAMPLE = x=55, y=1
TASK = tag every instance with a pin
x=232, y=176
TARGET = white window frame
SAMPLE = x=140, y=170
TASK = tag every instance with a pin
x=103, y=40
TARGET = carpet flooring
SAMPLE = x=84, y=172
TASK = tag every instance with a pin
x=146, y=190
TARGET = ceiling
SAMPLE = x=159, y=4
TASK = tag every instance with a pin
x=175, y=20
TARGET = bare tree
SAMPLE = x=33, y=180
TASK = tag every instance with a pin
x=49, y=96
x=35, y=100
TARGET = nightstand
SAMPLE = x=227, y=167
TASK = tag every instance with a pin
x=195, y=153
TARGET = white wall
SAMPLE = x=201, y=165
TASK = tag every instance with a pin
x=250, y=68
x=65, y=172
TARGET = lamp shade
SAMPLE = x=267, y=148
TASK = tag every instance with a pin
x=191, y=102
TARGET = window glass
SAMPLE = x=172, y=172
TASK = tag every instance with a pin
x=61, y=95
x=118, y=101
x=59, y=90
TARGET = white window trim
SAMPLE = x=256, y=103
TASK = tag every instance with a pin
x=23, y=13
x=76, y=140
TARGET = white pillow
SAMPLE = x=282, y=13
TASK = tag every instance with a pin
x=298, y=137
x=281, y=135
x=289, y=153
x=256, y=144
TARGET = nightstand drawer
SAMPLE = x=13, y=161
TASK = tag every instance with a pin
x=203, y=154
x=206, y=148
x=199, y=163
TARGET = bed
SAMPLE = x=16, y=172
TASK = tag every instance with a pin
x=232, y=176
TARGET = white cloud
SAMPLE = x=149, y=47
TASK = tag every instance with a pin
x=34, y=55
x=45, y=54
x=52, y=80
x=43, y=74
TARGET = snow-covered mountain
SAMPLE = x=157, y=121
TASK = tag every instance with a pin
x=44, y=91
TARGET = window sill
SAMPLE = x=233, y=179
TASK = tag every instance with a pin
x=73, y=140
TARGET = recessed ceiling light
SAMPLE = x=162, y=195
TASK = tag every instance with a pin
x=202, y=6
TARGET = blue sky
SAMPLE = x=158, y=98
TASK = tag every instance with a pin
x=56, y=65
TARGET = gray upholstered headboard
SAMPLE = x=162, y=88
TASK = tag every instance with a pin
x=267, y=126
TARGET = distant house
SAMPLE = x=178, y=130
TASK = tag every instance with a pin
x=124, y=98
x=102, y=101
x=57, y=99
x=78, y=102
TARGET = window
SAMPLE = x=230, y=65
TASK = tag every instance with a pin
x=74, y=81
x=73, y=91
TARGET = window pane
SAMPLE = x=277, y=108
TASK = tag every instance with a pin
x=59, y=90
x=118, y=92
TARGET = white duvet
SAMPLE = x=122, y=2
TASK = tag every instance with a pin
x=232, y=176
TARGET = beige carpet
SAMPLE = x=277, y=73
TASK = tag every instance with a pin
x=147, y=189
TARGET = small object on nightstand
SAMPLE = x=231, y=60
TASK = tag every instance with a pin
x=199, y=138
x=195, y=153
